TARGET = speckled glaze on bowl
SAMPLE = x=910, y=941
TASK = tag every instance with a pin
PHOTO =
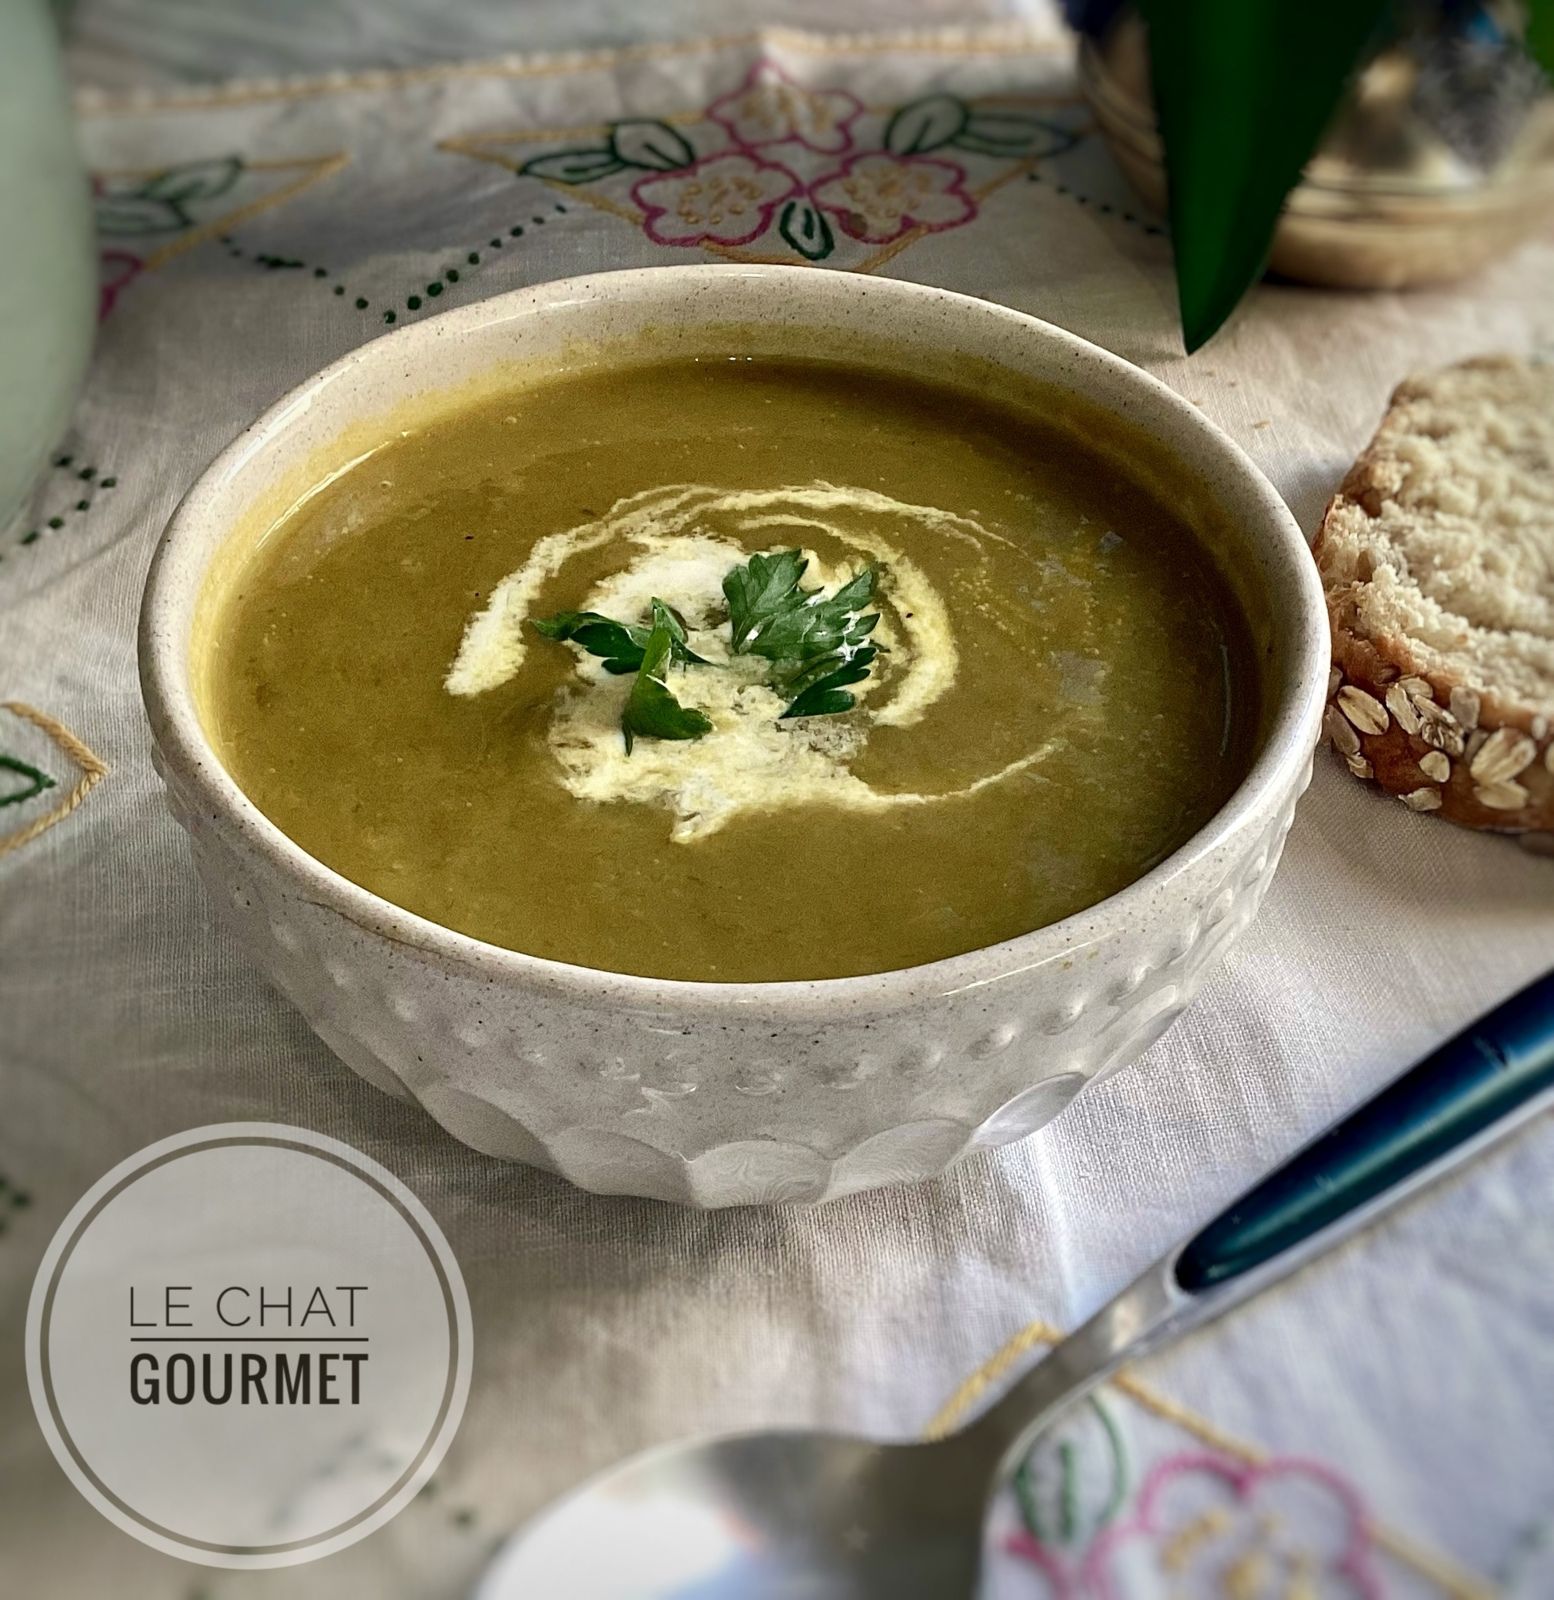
x=727, y=1094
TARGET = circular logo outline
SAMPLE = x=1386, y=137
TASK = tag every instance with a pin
x=389, y=1188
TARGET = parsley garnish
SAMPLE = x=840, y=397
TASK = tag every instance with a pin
x=771, y=616
x=652, y=712
x=817, y=645
x=824, y=693
x=621, y=646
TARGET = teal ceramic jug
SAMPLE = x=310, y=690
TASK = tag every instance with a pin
x=47, y=257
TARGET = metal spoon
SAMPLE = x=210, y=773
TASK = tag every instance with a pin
x=813, y=1516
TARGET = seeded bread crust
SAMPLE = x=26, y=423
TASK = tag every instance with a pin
x=1431, y=732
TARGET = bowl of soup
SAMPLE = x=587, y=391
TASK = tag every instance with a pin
x=734, y=734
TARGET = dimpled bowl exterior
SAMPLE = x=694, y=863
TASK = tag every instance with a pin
x=728, y=1094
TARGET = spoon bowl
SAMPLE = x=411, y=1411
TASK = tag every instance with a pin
x=810, y=1515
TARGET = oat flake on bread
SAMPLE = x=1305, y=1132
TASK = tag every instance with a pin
x=1437, y=555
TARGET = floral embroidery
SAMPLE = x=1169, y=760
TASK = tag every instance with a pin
x=1048, y=1575
x=147, y=217
x=1204, y=1522
x=727, y=199
x=770, y=108
x=879, y=197
x=147, y=206
x=117, y=269
x=1072, y=1485
x=1279, y=1530
x=160, y=203
x=775, y=170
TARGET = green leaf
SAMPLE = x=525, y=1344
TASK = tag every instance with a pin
x=652, y=712
x=132, y=214
x=1243, y=92
x=1540, y=33
x=926, y=124
x=825, y=695
x=195, y=180
x=804, y=226
x=771, y=616
x=1013, y=134
x=620, y=645
x=761, y=588
x=575, y=166
x=654, y=145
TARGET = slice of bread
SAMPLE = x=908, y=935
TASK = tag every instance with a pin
x=1437, y=554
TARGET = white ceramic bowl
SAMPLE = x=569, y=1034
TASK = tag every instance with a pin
x=723, y=1094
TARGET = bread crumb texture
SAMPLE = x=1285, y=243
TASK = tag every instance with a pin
x=1437, y=555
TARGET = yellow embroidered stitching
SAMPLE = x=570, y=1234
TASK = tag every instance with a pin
x=93, y=770
x=320, y=167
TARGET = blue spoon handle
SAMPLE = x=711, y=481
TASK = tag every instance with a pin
x=1459, y=1100
x=1496, y=1065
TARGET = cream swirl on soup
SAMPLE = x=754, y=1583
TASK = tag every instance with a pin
x=751, y=759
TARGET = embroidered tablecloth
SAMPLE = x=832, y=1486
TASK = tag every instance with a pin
x=1382, y=1425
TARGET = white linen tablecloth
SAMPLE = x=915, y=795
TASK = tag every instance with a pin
x=1383, y=1425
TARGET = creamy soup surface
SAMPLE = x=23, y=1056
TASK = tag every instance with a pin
x=1061, y=690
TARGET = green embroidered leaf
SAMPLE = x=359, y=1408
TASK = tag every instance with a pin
x=1076, y=1479
x=826, y=694
x=804, y=226
x=575, y=166
x=926, y=125
x=35, y=782
x=1013, y=134
x=654, y=145
x=1243, y=93
x=196, y=180
x=132, y=214
x=652, y=712
x=620, y=645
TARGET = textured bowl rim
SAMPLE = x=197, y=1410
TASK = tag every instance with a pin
x=203, y=520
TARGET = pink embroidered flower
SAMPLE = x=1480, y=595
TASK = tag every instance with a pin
x=769, y=108
x=725, y=199
x=879, y=196
x=116, y=270
x=1209, y=1525
x=1044, y=1575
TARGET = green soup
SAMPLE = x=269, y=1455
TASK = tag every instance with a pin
x=1059, y=688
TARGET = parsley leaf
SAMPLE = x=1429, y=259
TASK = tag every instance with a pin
x=619, y=644
x=771, y=616
x=652, y=712
x=826, y=694
x=759, y=591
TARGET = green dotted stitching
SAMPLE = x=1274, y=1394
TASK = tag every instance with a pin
x=1102, y=207
x=64, y=463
